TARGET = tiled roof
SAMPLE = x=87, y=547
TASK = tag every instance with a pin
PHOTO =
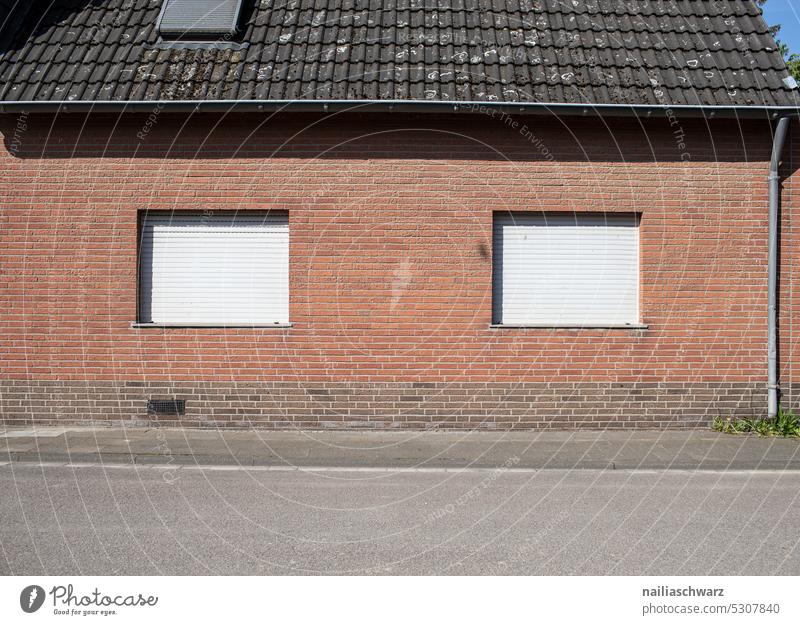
x=716, y=52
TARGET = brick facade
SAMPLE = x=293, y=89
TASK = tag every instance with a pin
x=390, y=271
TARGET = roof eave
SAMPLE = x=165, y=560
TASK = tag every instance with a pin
x=326, y=106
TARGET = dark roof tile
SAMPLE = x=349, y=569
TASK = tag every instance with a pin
x=593, y=51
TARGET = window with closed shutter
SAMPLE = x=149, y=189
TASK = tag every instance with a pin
x=566, y=269
x=199, y=19
x=221, y=268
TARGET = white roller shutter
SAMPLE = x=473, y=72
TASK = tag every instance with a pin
x=566, y=269
x=220, y=268
x=199, y=18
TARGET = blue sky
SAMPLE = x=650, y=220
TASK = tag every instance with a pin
x=787, y=14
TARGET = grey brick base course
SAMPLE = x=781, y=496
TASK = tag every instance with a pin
x=414, y=405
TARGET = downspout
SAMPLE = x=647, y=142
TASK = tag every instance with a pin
x=774, y=226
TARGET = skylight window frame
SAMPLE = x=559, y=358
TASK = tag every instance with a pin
x=199, y=35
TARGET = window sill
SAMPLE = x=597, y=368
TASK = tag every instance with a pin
x=570, y=326
x=223, y=326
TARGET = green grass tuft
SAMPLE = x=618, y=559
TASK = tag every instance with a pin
x=785, y=424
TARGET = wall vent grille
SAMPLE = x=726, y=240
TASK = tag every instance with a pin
x=166, y=406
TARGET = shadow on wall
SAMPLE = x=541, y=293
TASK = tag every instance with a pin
x=350, y=136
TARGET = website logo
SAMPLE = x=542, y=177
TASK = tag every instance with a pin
x=31, y=598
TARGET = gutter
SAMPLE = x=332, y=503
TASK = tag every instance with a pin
x=331, y=106
x=773, y=385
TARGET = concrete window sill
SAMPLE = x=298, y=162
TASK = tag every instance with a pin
x=222, y=326
x=569, y=326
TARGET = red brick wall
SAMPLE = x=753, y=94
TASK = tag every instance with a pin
x=390, y=271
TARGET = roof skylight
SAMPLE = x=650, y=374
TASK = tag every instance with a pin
x=199, y=19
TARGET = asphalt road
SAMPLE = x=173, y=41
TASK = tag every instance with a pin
x=136, y=520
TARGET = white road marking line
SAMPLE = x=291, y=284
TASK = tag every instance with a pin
x=335, y=469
